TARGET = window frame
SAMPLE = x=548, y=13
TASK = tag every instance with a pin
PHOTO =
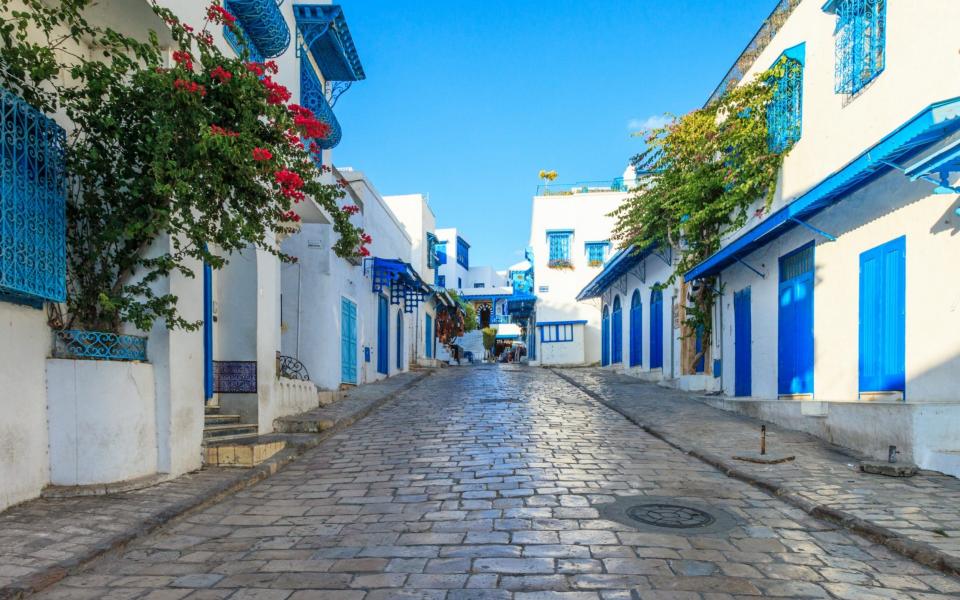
x=564, y=241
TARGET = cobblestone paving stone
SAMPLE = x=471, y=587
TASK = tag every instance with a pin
x=455, y=492
x=925, y=507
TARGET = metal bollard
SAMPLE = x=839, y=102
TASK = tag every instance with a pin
x=763, y=440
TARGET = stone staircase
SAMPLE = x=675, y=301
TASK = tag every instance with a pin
x=229, y=443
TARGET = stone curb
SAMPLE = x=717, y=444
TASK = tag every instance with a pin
x=920, y=552
x=50, y=575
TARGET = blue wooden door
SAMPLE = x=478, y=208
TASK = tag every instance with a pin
x=348, y=341
x=428, y=337
x=795, y=320
x=617, y=333
x=636, y=329
x=656, y=329
x=698, y=368
x=207, y=331
x=743, y=343
x=883, y=317
x=383, y=336
x=399, y=341
x=605, y=338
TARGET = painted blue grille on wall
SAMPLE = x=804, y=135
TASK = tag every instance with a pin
x=784, y=115
x=463, y=253
x=33, y=194
x=559, y=242
x=860, y=42
x=596, y=252
x=72, y=343
x=314, y=97
x=263, y=22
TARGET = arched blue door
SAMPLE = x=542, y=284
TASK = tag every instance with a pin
x=656, y=329
x=605, y=338
x=636, y=329
x=383, y=336
x=399, y=340
x=617, y=351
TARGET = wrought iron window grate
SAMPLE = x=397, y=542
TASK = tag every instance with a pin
x=313, y=96
x=796, y=264
x=860, y=43
x=254, y=54
x=263, y=21
x=596, y=252
x=559, y=245
x=33, y=192
x=73, y=343
x=784, y=115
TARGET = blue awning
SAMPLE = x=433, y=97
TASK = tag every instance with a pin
x=326, y=35
x=403, y=282
x=920, y=133
x=618, y=265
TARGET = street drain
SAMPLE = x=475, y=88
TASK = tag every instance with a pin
x=498, y=400
x=667, y=515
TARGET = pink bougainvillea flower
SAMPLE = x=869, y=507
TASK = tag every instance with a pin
x=220, y=74
x=291, y=216
x=276, y=93
x=365, y=238
x=255, y=68
x=217, y=130
x=184, y=59
x=350, y=209
x=219, y=14
x=190, y=86
x=364, y=251
x=271, y=66
x=262, y=154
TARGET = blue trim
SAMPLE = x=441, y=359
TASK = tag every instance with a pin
x=399, y=340
x=428, y=336
x=931, y=125
x=207, y=331
x=882, y=364
x=314, y=97
x=617, y=266
x=636, y=329
x=795, y=321
x=263, y=22
x=616, y=337
x=562, y=332
x=325, y=33
x=605, y=337
x=797, y=53
x=544, y=323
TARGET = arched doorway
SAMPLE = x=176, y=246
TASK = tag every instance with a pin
x=399, y=340
x=656, y=329
x=484, y=313
x=616, y=352
x=605, y=337
x=636, y=329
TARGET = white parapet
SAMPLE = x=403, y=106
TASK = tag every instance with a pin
x=102, y=421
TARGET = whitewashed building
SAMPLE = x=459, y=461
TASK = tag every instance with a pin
x=570, y=242
x=838, y=308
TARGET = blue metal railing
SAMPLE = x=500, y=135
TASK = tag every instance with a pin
x=582, y=187
x=33, y=195
x=97, y=345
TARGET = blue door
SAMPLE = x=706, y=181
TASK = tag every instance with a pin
x=399, y=340
x=532, y=343
x=742, y=343
x=656, y=329
x=207, y=331
x=883, y=317
x=617, y=350
x=348, y=341
x=383, y=336
x=605, y=338
x=428, y=337
x=636, y=329
x=698, y=368
x=795, y=319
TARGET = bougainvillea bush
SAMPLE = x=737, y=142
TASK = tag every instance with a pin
x=205, y=148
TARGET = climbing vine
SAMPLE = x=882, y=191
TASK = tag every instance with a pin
x=170, y=164
x=704, y=171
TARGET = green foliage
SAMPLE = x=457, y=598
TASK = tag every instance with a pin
x=162, y=150
x=470, y=313
x=489, y=337
x=706, y=169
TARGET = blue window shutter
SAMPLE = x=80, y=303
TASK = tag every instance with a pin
x=743, y=344
x=795, y=322
x=784, y=115
x=883, y=318
x=860, y=37
x=636, y=329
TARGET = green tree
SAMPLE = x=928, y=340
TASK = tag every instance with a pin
x=470, y=313
x=208, y=151
x=704, y=171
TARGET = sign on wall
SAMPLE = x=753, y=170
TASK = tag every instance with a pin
x=235, y=377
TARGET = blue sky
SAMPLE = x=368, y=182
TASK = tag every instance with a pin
x=467, y=100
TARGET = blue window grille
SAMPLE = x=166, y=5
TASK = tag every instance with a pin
x=33, y=196
x=432, y=259
x=596, y=253
x=441, y=253
x=860, y=37
x=254, y=54
x=313, y=96
x=72, y=343
x=263, y=21
x=479, y=285
x=463, y=253
x=559, y=242
x=442, y=281
x=784, y=115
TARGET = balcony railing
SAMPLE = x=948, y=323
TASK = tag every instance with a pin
x=582, y=187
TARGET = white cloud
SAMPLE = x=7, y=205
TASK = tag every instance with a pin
x=651, y=122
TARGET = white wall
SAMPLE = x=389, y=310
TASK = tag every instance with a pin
x=587, y=216
x=562, y=353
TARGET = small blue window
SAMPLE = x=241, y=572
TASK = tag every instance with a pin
x=442, y=281
x=860, y=37
x=459, y=283
x=556, y=333
x=441, y=253
x=479, y=285
x=463, y=253
x=596, y=253
x=785, y=112
x=559, y=242
x=432, y=258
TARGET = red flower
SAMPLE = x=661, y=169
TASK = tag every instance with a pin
x=190, y=86
x=277, y=94
x=220, y=74
x=294, y=139
x=351, y=209
x=271, y=66
x=184, y=59
x=219, y=14
x=217, y=130
x=365, y=238
x=255, y=68
x=262, y=154
x=290, y=184
x=291, y=216
x=205, y=38
x=364, y=251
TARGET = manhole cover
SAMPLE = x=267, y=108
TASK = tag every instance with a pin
x=670, y=515
x=667, y=515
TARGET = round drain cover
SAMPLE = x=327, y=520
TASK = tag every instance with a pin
x=661, y=514
x=674, y=516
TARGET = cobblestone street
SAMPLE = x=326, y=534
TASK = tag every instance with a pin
x=487, y=483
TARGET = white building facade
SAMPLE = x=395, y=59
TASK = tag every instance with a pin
x=838, y=313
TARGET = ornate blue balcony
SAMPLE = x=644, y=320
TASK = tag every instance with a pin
x=312, y=96
x=33, y=192
x=96, y=345
x=327, y=38
x=263, y=23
